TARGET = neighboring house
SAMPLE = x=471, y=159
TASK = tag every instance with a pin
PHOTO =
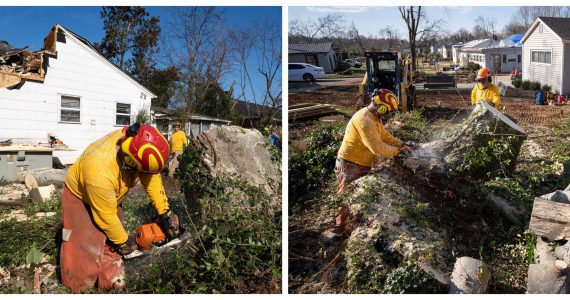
x=505, y=56
x=472, y=51
x=163, y=118
x=546, y=53
x=252, y=112
x=319, y=54
x=433, y=49
x=455, y=52
x=446, y=51
x=78, y=96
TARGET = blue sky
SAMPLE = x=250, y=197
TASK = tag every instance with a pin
x=28, y=26
x=369, y=20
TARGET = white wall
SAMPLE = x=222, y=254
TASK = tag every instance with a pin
x=545, y=73
x=29, y=113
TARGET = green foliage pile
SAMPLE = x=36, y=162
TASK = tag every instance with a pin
x=42, y=233
x=535, y=85
x=310, y=170
x=517, y=83
x=236, y=237
x=414, y=126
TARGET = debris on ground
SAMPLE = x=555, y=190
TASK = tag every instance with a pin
x=13, y=194
x=469, y=276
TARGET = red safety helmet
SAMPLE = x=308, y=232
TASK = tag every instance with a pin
x=145, y=148
x=386, y=101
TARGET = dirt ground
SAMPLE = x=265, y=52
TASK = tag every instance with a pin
x=313, y=256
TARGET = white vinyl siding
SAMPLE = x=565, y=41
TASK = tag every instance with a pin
x=122, y=114
x=70, y=109
x=546, y=73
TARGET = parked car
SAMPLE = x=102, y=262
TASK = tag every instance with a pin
x=306, y=72
x=353, y=63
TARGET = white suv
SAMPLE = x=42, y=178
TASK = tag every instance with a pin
x=306, y=72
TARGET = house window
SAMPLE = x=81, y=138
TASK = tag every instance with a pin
x=512, y=59
x=123, y=114
x=70, y=109
x=311, y=60
x=504, y=59
x=544, y=57
x=519, y=59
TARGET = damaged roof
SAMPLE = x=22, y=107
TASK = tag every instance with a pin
x=32, y=65
x=310, y=48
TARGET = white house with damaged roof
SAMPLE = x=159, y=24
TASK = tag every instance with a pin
x=67, y=89
x=498, y=56
x=317, y=54
x=546, y=53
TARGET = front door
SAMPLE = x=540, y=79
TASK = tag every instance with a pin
x=496, y=63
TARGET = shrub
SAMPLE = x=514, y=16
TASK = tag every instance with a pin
x=310, y=170
x=525, y=84
x=517, y=83
x=546, y=87
x=535, y=85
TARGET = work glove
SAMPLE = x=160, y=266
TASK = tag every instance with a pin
x=169, y=224
x=127, y=247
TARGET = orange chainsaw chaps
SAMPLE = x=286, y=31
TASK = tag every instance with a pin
x=85, y=258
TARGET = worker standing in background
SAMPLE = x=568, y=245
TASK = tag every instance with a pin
x=178, y=142
x=94, y=237
x=366, y=138
x=484, y=89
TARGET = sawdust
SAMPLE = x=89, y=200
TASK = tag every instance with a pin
x=13, y=193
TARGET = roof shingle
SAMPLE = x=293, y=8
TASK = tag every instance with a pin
x=310, y=48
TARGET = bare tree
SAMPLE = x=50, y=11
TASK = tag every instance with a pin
x=327, y=26
x=391, y=35
x=525, y=16
x=462, y=35
x=420, y=28
x=198, y=47
x=484, y=27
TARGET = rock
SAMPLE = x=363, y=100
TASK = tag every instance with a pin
x=42, y=193
x=30, y=182
x=547, y=279
x=560, y=265
x=13, y=194
x=543, y=253
x=470, y=276
x=233, y=149
x=563, y=252
x=561, y=197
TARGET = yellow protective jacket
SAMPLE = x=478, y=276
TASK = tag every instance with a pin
x=178, y=141
x=366, y=138
x=491, y=94
x=97, y=179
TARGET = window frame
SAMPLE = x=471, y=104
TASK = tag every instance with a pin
x=60, y=108
x=116, y=113
x=539, y=51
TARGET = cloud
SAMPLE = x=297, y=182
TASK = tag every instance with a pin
x=462, y=10
x=338, y=9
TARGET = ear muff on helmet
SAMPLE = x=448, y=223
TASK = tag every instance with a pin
x=144, y=148
x=386, y=101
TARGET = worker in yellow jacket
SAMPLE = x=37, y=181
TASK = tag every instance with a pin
x=484, y=89
x=366, y=138
x=178, y=142
x=93, y=234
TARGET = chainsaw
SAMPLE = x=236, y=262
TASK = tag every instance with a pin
x=151, y=240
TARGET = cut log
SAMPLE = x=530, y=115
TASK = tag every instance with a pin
x=550, y=219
